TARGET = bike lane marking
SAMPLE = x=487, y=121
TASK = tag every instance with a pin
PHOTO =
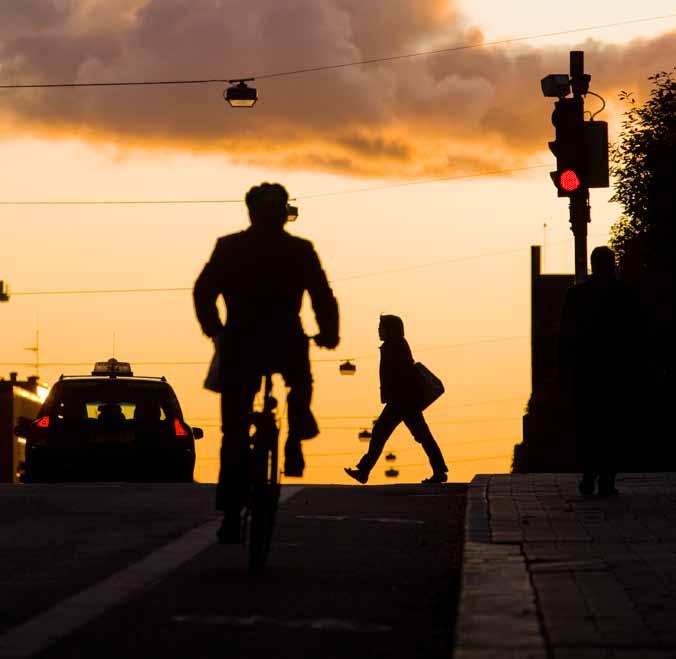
x=44, y=629
x=321, y=624
x=382, y=520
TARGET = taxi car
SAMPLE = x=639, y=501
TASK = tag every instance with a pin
x=110, y=425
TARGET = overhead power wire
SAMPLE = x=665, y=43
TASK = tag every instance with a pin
x=337, y=66
x=453, y=49
x=448, y=346
x=418, y=266
x=452, y=346
x=371, y=417
x=456, y=422
x=123, y=83
x=209, y=458
x=107, y=291
x=397, y=451
x=150, y=202
x=121, y=202
x=346, y=417
x=314, y=361
x=172, y=289
x=97, y=291
x=440, y=179
x=394, y=465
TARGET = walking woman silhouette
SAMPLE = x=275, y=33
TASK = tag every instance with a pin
x=401, y=392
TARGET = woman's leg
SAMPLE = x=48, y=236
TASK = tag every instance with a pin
x=415, y=422
x=388, y=420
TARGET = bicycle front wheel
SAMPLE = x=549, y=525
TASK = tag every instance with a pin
x=263, y=505
x=261, y=525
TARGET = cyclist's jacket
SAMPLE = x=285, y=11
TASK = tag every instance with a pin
x=262, y=275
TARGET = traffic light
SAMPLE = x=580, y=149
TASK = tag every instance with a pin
x=4, y=292
x=569, y=146
x=596, y=154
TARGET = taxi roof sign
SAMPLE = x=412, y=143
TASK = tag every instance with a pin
x=112, y=368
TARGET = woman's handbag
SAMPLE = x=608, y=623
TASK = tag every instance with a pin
x=431, y=387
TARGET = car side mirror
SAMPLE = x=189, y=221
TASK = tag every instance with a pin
x=197, y=433
x=23, y=426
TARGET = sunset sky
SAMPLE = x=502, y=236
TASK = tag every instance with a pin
x=356, y=146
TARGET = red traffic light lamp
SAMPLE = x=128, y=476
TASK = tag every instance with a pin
x=569, y=146
x=569, y=181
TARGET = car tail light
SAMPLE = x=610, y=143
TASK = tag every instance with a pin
x=42, y=422
x=180, y=429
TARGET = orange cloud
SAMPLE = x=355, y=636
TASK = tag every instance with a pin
x=438, y=115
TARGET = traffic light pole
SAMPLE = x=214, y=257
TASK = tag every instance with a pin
x=579, y=218
x=579, y=201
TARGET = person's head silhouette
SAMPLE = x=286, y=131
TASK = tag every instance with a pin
x=390, y=327
x=603, y=262
x=267, y=204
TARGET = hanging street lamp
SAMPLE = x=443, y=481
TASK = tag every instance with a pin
x=240, y=95
x=347, y=368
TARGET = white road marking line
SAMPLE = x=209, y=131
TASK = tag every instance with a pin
x=392, y=520
x=382, y=520
x=72, y=613
x=321, y=624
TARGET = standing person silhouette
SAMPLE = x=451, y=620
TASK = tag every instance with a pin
x=599, y=365
x=262, y=274
x=400, y=390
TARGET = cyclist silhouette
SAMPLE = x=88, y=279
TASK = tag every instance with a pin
x=262, y=274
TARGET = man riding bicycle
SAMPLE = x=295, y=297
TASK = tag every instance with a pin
x=262, y=274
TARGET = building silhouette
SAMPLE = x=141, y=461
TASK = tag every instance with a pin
x=547, y=444
x=17, y=398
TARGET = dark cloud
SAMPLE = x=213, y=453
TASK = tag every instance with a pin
x=436, y=115
x=377, y=147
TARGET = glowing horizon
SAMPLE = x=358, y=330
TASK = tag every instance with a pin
x=451, y=257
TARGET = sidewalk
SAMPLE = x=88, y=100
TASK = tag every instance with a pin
x=550, y=573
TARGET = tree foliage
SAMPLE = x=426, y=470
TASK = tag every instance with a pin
x=644, y=169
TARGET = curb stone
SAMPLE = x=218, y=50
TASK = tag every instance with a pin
x=497, y=610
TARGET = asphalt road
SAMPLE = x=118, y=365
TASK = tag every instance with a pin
x=56, y=539
x=355, y=571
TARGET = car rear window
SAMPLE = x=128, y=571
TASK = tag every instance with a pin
x=125, y=399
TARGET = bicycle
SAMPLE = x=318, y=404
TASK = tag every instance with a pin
x=259, y=513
